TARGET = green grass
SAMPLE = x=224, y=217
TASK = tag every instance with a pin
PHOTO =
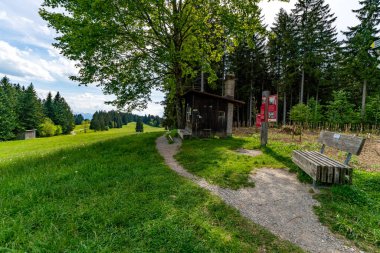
x=351, y=210
x=216, y=159
x=354, y=210
x=112, y=192
x=14, y=150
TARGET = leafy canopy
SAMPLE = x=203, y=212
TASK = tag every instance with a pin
x=129, y=47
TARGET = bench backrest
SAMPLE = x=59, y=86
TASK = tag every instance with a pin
x=347, y=143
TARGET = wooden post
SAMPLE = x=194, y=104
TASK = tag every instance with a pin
x=265, y=124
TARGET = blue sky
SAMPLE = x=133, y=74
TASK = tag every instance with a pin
x=26, y=53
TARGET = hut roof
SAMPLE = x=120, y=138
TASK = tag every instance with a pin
x=205, y=94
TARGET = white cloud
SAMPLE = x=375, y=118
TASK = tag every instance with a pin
x=24, y=64
x=3, y=15
x=14, y=61
x=88, y=102
x=341, y=8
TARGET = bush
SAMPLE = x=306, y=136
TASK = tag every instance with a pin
x=340, y=110
x=58, y=131
x=47, y=128
x=300, y=113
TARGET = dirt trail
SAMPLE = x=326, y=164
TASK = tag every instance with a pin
x=278, y=202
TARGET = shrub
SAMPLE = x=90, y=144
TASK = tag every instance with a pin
x=300, y=113
x=58, y=131
x=340, y=110
x=47, y=128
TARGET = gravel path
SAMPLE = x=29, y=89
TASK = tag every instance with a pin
x=278, y=202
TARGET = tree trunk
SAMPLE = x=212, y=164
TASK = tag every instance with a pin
x=284, y=116
x=364, y=98
x=250, y=107
x=302, y=86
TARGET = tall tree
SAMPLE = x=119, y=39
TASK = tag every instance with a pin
x=130, y=47
x=31, y=115
x=48, y=106
x=8, y=117
x=360, y=64
x=63, y=115
x=317, y=40
x=282, y=52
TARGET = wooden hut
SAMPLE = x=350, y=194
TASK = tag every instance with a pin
x=28, y=134
x=208, y=114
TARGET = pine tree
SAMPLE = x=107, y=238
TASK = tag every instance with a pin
x=30, y=116
x=249, y=63
x=63, y=115
x=282, y=52
x=139, y=125
x=8, y=117
x=78, y=118
x=48, y=106
x=360, y=65
x=317, y=43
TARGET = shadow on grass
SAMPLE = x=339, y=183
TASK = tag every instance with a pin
x=117, y=196
x=288, y=163
x=216, y=161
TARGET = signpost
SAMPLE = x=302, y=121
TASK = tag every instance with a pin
x=265, y=124
x=272, y=110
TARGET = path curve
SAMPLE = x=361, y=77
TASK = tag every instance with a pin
x=278, y=202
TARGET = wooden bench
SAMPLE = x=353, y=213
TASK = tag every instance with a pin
x=323, y=169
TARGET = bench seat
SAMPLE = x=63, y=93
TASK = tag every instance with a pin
x=322, y=168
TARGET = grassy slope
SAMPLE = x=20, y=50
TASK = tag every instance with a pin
x=9, y=151
x=353, y=211
x=114, y=195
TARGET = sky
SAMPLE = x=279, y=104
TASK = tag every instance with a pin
x=27, y=55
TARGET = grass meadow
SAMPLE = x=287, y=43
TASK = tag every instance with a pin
x=351, y=210
x=111, y=192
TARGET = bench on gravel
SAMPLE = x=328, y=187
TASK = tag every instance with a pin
x=323, y=169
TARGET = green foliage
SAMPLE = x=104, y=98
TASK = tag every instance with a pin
x=315, y=111
x=78, y=119
x=154, y=43
x=354, y=211
x=121, y=197
x=48, y=129
x=360, y=64
x=48, y=106
x=139, y=126
x=300, y=113
x=340, y=110
x=7, y=117
x=373, y=110
x=30, y=114
x=63, y=115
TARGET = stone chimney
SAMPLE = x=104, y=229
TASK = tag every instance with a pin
x=229, y=92
x=229, y=85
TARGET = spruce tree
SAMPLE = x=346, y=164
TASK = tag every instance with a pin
x=282, y=52
x=8, y=119
x=78, y=118
x=317, y=43
x=139, y=125
x=48, y=106
x=63, y=115
x=360, y=63
x=31, y=115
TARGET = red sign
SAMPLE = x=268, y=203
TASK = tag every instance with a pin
x=272, y=110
